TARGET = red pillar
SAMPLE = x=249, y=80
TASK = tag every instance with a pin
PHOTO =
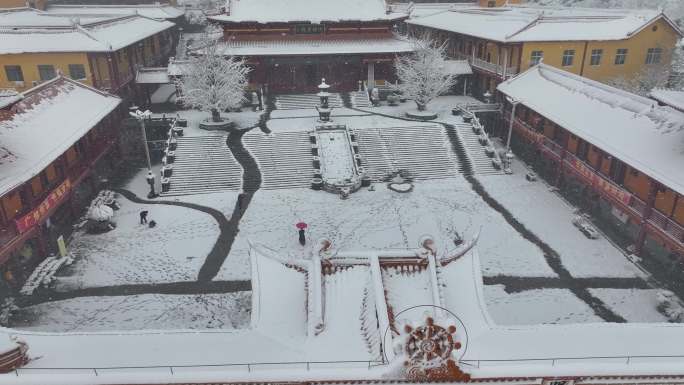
x=650, y=202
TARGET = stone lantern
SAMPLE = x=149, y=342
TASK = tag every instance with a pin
x=324, y=109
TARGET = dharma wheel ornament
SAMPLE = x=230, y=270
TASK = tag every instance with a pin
x=430, y=350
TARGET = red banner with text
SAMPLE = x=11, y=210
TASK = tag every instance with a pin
x=601, y=184
x=39, y=213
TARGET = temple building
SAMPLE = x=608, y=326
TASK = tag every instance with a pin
x=502, y=39
x=52, y=139
x=292, y=45
x=616, y=154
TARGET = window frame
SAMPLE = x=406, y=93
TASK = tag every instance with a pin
x=14, y=67
x=596, y=53
x=621, y=53
x=654, y=56
x=536, y=59
x=568, y=59
x=82, y=68
x=42, y=67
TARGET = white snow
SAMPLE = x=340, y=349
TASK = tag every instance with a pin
x=108, y=36
x=138, y=312
x=132, y=253
x=31, y=135
x=634, y=305
x=406, y=289
x=672, y=98
x=629, y=127
x=337, y=163
x=153, y=11
x=531, y=307
x=314, y=46
x=270, y=11
x=547, y=215
x=520, y=23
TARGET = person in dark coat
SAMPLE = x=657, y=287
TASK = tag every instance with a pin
x=143, y=217
x=302, y=237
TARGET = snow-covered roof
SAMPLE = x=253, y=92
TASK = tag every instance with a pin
x=672, y=98
x=32, y=136
x=520, y=24
x=154, y=11
x=101, y=36
x=631, y=128
x=9, y=97
x=30, y=17
x=458, y=67
x=315, y=11
x=314, y=47
x=156, y=75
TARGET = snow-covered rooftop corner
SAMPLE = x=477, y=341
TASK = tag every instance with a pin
x=527, y=23
x=632, y=128
x=305, y=10
x=35, y=135
x=672, y=98
x=48, y=33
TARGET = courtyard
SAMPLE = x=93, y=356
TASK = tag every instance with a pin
x=192, y=270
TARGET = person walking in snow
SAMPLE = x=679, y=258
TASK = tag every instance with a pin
x=302, y=237
x=143, y=217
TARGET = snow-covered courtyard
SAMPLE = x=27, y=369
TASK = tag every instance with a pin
x=135, y=277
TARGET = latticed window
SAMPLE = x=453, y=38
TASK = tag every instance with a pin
x=596, y=56
x=536, y=57
x=14, y=73
x=621, y=56
x=46, y=72
x=568, y=57
x=654, y=55
x=77, y=71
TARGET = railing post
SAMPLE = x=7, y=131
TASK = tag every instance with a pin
x=249, y=368
x=171, y=370
x=95, y=370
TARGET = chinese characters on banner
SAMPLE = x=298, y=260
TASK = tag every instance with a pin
x=600, y=183
x=38, y=214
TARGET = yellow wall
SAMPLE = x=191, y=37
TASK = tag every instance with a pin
x=664, y=37
x=29, y=65
x=12, y=3
x=679, y=211
x=638, y=185
x=498, y=3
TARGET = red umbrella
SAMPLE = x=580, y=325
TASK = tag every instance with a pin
x=301, y=225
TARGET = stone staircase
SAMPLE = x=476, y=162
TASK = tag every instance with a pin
x=480, y=162
x=204, y=164
x=359, y=99
x=305, y=101
x=284, y=158
x=423, y=150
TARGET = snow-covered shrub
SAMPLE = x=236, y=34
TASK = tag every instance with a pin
x=669, y=306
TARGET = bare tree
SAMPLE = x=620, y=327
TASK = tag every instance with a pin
x=423, y=74
x=213, y=82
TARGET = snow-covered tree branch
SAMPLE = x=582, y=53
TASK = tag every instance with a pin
x=423, y=74
x=649, y=78
x=213, y=82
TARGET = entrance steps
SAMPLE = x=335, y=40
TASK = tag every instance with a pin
x=284, y=158
x=204, y=164
x=304, y=101
x=423, y=150
x=481, y=163
x=359, y=99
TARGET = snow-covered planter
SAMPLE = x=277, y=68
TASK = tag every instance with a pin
x=170, y=157
x=317, y=184
x=483, y=139
x=490, y=151
x=177, y=130
x=669, y=306
x=393, y=99
x=467, y=118
x=583, y=224
x=355, y=147
x=317, y=173
x=223, y=125
x=165, y=184
x=496, y=162
x=316, y=161
x=312, y=137
x=172, y=144
x=358, y=159
x=181, y=123
x=339, y=163
x=167, y=171
x=477, y=129
x=421, y=115
x=366, y=181
x=314, y=149
x=400, y=185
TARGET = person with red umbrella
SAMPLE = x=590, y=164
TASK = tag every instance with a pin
x=302, y=235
